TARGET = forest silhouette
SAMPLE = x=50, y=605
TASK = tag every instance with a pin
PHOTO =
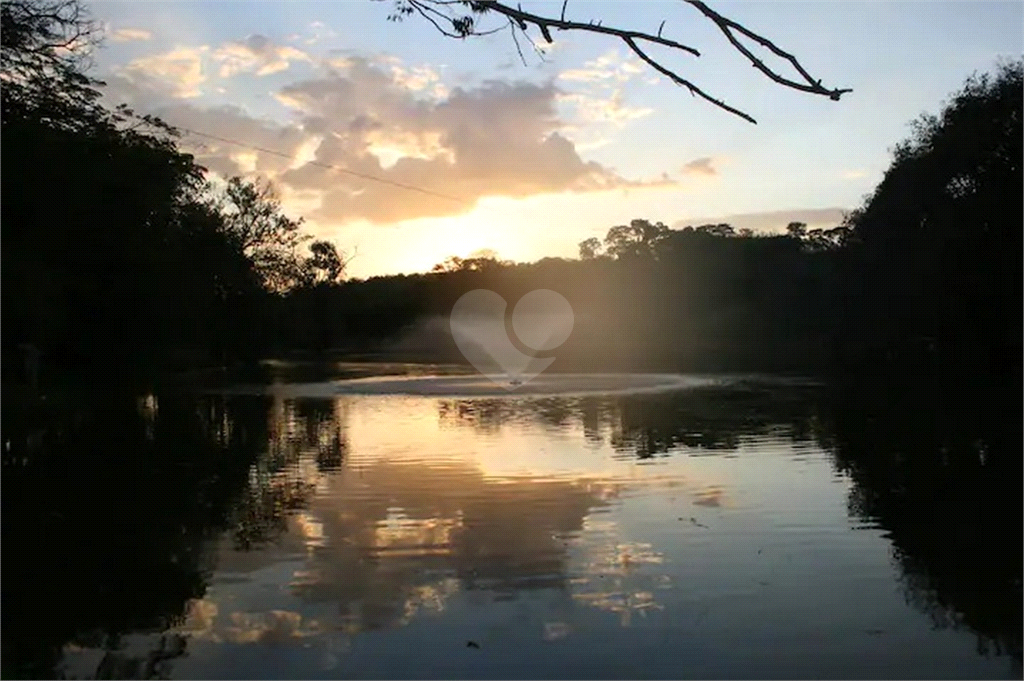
x=124, y=261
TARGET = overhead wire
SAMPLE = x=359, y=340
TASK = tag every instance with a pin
x=328, y=166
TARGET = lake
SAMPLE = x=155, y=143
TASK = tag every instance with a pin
x=423, y=525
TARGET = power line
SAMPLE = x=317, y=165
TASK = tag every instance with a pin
x=328, y=166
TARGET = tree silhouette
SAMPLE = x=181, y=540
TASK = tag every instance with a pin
x=590, y=248
x=118, y=252
x=325, y=265
x=935, y=252
x=482, y=260
x=270, y=239
x=636, y=240
x=46, y=47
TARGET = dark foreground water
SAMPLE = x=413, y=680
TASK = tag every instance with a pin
x=722, y=529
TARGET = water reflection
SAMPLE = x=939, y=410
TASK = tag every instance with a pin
x=107, y=508
x=945, y=481
x=143, y=535
x=648, y=425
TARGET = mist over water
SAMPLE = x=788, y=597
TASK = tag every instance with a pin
x=475, y=385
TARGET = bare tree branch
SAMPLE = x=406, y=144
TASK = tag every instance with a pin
x=545, y=23
x=678, y=80
x=423, y=9
x=516, y=41
x=727, y=27
x=45, y=37
x=449, y=17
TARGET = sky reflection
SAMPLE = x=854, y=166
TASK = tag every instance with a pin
x=640, y=536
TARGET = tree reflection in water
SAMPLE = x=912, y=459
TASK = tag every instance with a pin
x=942, y=474
x=943, y=478
x=115, y=508
x=108, y=507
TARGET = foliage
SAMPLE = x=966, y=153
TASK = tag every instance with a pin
x=638, y=239
x=119, y=259
x=324, y=266
x=483, y=260
x=46, y=45
x=936, y=249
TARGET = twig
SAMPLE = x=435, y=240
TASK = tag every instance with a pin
x=679, y=80
x=519, y=49
x=423, y=12
x=727, y=26
x=523, y=17
x=462, y=27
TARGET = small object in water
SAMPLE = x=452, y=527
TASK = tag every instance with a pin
x=472, y=644
x=515, y=381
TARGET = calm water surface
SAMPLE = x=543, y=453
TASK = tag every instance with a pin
x=713, y=530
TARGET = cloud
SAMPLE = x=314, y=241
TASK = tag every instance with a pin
x=700, y=166
x=273, y=627
x=229, y=122
x=419, y=78
x=599, y=99
x=593, y=144
x=495, y=139
x=423, y=79
x=178, y=73
x=610, y=66
x=381, y=118
x=258, y=54
x=319, y=31
x=124, y=35
x=773, y=221
x=855, y=174
x=609, y=109
x=235, y=124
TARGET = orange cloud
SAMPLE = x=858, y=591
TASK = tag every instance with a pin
x=178, y=73
x=256, y=53
x=378, y=117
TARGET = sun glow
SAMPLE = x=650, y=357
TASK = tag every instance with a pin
x=521, y=230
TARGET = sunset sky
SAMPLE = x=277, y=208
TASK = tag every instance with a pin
x=546, y=154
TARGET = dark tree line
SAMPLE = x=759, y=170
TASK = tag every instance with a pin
x=923, y=281
x=121, y=257
x=934, y=272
